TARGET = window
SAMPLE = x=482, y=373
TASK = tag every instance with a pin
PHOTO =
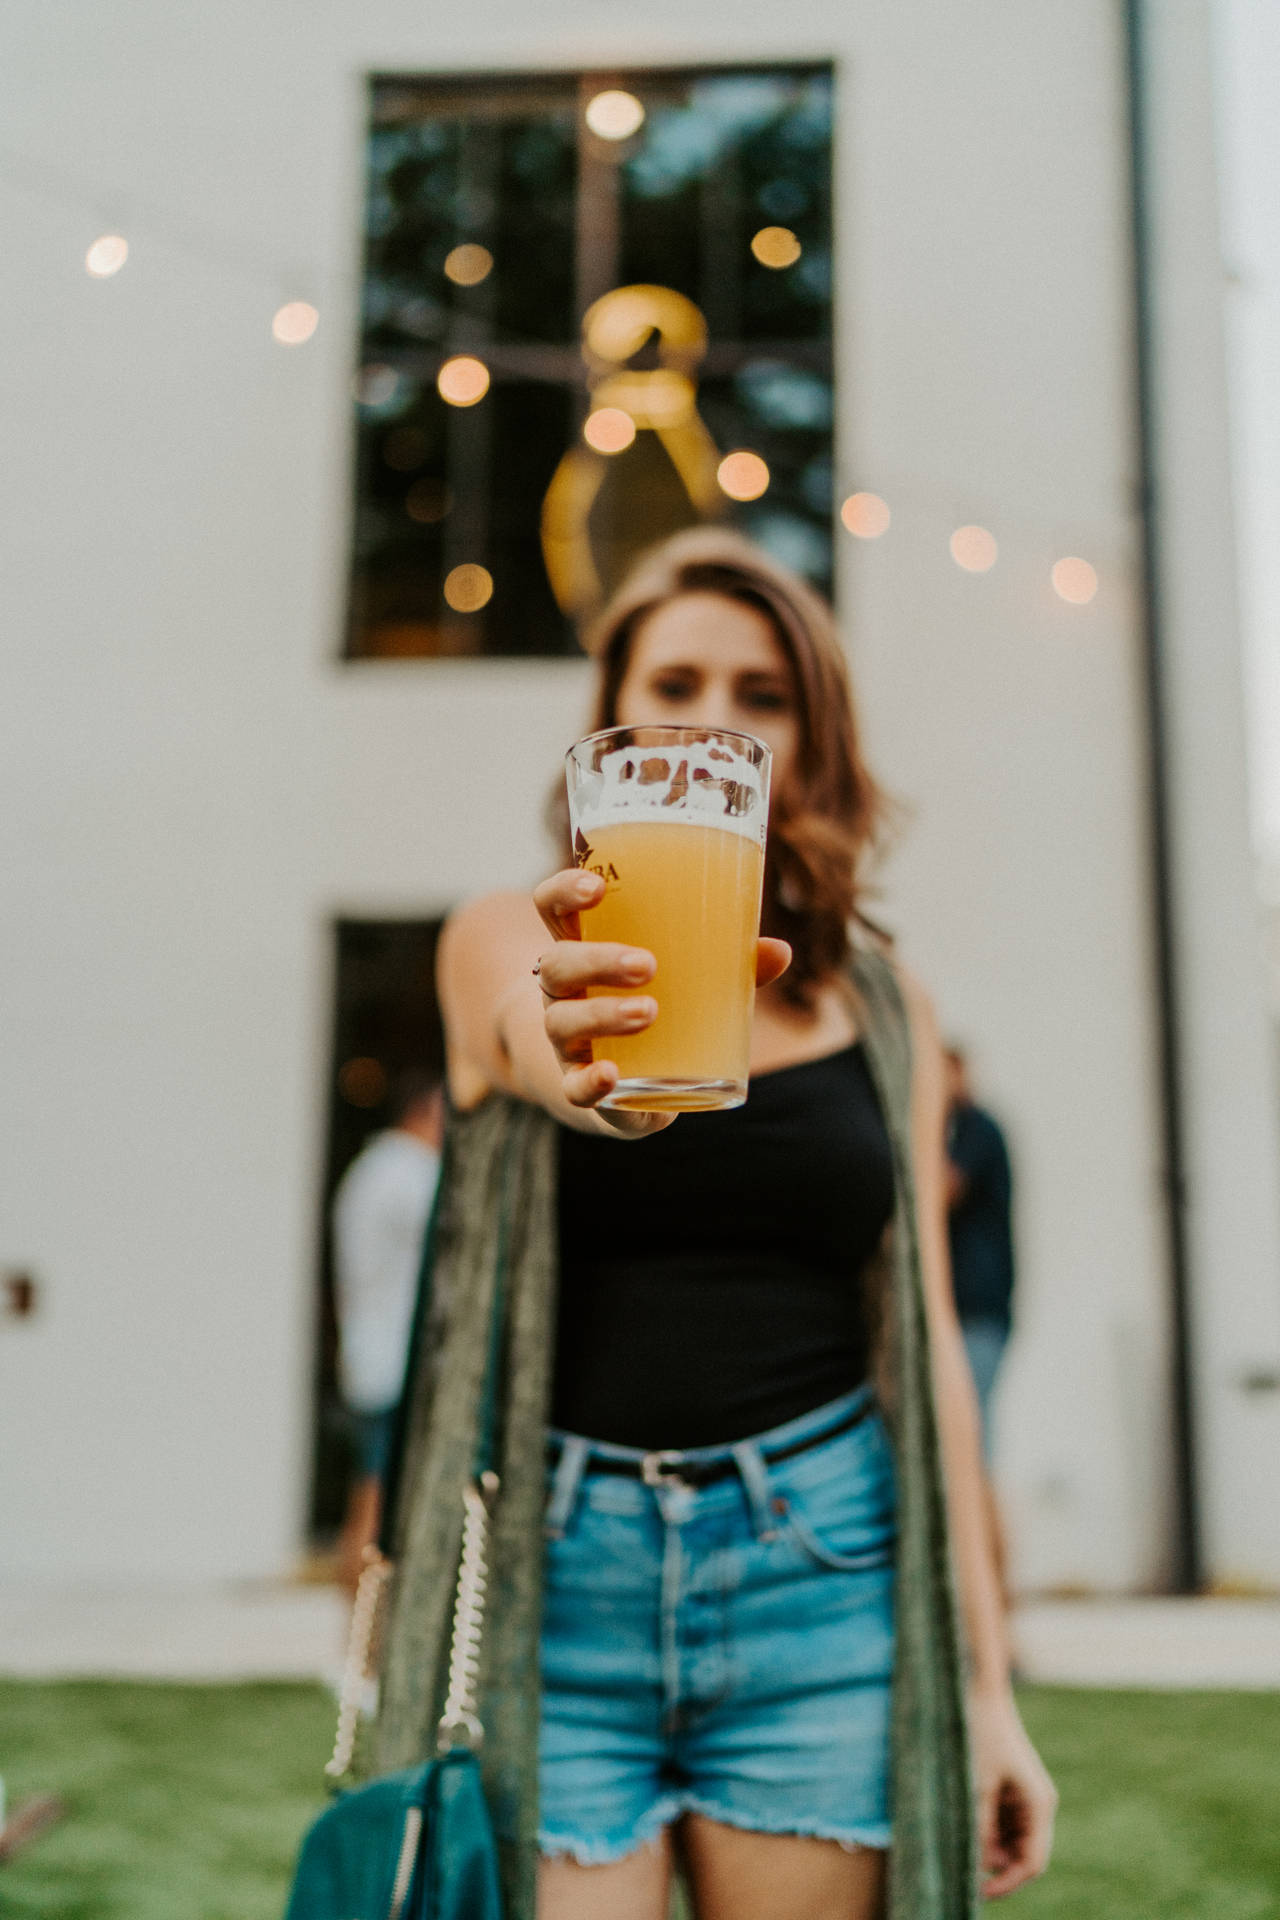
x=569, y=321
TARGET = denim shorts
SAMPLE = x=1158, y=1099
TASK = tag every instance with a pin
x=725, y=1649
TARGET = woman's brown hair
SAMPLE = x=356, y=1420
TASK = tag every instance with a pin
x=828, y=815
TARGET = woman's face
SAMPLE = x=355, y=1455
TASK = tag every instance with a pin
x=703, y=660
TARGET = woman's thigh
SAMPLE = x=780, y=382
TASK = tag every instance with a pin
x=739, y=1875
x=637, y=1887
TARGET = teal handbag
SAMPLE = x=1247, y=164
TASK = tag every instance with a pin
x=416, y=1845
x=413, y=1846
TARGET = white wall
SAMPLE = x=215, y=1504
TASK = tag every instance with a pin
x=1248, y=72
x=988, y=272
x=193, y=786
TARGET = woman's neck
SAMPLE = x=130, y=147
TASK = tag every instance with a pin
x=783, y=1034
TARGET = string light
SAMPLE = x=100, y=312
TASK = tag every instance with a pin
x=974, y=549
x=615, y=115
x=376, y=385
x=463, y=380
x=428, y=501
x=743, y=475
x=468, y=264
x=468, y=588
x=776, y=247
x=609, y=430
x=362, y=1081
x=294, y=323
x=106, y=256
x=1074, y=580
x=612, y=115
x=866, y=515
x=405, y=448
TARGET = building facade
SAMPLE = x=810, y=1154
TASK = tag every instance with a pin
x=199, y=783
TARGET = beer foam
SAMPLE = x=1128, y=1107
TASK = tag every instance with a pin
x=705, y=784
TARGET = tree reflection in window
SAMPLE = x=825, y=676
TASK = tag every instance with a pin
x=495, y=220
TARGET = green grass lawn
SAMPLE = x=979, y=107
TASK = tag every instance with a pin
x=187, y=1802
x=184, y=1802
x=1170, y=1805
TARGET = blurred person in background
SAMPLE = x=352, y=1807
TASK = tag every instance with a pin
x=980, y=1230
x=728, y=1509
x=380, y=1213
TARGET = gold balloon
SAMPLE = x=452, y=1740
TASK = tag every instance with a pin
x=664, y=478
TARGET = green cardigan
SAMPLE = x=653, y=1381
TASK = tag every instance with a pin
x=497, y=1211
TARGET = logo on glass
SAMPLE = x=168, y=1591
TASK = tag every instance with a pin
x=584, y=856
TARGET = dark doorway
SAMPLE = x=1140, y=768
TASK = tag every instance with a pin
x=385, y=1022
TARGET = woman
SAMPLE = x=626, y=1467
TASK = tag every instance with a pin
x=719, y=1620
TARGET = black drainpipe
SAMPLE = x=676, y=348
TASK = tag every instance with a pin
x=1187, y=1569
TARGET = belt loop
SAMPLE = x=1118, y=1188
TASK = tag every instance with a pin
x=755, y=1480
x=565, y=1482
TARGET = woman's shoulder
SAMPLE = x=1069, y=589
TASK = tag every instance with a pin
x=916, y=997
x=485, y=944
x=488, y=946
x=878, y=959
x=503, y=916
x=900, y=1012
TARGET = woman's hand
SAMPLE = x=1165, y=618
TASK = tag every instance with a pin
x=571, y=965
x=1016, y=1798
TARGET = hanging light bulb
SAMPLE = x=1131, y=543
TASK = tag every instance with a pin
x=866, y=515
x=428, y=501
x=776, y=247
x=1074, y=580
x=376, y=385
x=294, y=323
x=468, y=588
x=743, y=475
x=609, y=429
x=974, y=549
x=106, y=256
x=468, y=264
x=614, y=115
x=463, y=381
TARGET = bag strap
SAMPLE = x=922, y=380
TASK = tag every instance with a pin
x=373, y=1579
x=459, y=1723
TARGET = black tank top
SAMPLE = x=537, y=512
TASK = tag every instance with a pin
x=709, y=1276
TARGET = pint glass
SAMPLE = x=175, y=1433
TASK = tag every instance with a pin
x=673, y=819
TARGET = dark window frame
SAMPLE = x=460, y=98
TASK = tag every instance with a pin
x=559, y=363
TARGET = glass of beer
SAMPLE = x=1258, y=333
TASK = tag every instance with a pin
x=673, y=819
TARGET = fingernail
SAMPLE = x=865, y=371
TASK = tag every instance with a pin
x=635, y=964
x=586, y=886
x=639, y=1013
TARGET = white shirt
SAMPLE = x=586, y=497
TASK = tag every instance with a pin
x=380, y=1213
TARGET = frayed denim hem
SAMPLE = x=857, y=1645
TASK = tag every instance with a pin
x=877, y=1837
x=602, y=1853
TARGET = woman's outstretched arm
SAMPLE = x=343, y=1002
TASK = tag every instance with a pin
x=1016, y=1798
x=535, y=1035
